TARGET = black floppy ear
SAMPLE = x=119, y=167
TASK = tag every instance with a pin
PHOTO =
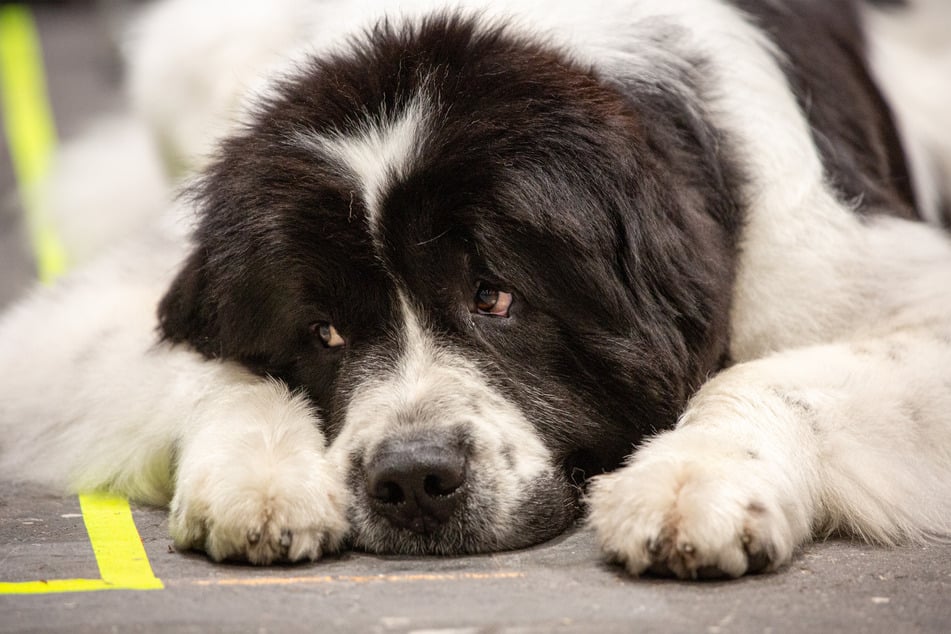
x=681, y=241
x=187, y=312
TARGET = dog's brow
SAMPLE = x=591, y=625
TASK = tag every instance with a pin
x=379, y=153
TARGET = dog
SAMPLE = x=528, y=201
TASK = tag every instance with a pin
x=457, y=276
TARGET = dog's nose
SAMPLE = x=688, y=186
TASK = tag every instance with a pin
x=417, y=483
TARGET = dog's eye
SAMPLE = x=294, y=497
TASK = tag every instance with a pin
x=492, y=301
x=327, y=333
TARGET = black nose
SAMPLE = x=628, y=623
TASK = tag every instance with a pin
x=417, y=483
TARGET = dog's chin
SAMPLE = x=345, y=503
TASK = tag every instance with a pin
x=537, y=515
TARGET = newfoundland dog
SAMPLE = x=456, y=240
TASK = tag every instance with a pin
x=445, y=278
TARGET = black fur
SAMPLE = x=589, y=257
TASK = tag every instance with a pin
x=824, y=53
x=609, y=211
x=606, y=214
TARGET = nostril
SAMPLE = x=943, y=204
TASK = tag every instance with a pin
x=389, y=492
x=443, y=484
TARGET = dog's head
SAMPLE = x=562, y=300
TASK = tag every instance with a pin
x=492, y=269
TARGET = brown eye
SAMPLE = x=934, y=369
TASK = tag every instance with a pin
x=492, y=301
x=327, y=333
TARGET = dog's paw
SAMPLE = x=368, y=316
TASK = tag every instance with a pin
x=238, y=514
x=692, y=518
x=259, y=489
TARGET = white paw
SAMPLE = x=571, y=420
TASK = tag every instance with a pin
x=291, y=512
x=695, y=516
x=258, y=488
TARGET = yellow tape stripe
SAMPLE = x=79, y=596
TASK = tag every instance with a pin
x=116, y=542
x=29, y=129
x=54, y=586
x=123, y=564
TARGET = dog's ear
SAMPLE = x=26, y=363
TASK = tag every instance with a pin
x=227, y=304
x=187, y=313
x=681, y=240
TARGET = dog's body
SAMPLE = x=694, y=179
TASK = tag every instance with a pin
x=491, y=252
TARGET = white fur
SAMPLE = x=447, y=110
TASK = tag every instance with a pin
x=842, y=437
x=835, y=417
x=431, y=388
x=193, y=64
x=138, y=190
x=378, y=155
x=885, y=281
x=253, y=482
x=92, y=400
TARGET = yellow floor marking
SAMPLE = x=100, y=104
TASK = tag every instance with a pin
x=30, y=133
x=116, y=542
x=123, y=564
x=317, y=579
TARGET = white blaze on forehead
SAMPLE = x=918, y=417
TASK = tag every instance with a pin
x=378, y=153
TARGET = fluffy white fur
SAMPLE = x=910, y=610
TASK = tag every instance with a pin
x=92, y=401
x=832, y=420
x=138, y=190
x=848, y=437
x=835, y=462
x=433, y=388
x=193, y=92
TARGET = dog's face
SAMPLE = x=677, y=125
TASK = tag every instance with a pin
x=492, y=271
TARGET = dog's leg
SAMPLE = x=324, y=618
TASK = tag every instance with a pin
x=90, y=399
x=852, y=437
x=252, y=480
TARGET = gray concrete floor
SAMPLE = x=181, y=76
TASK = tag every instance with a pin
x=560, y=586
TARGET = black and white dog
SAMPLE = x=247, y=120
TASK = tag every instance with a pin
x=455, y=261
